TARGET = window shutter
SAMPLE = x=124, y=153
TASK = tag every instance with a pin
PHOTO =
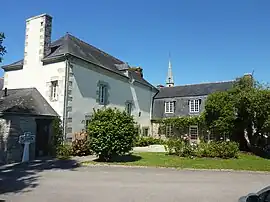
x=97, y=94
x=106, y=96
x=57, y=90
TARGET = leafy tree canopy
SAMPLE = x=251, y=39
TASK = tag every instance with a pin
x=2, y=47
x=245, y=109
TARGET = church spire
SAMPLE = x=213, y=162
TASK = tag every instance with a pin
x=169, y=80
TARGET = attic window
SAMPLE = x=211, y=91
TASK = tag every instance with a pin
x=54, y=48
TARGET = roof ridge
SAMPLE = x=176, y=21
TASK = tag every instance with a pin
x=101, y=51
x=215, y=82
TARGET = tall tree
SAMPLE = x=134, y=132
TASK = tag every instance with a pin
x=2, y=47
x=242, y=113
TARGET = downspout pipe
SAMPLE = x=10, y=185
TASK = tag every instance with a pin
x=65, y=96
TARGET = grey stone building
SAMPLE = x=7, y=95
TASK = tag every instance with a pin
x=24, y=110
x=178, y=101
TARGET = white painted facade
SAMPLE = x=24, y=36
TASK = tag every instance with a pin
x=39, y=77
x=84, y=98
x=77, y=99
x=34, y=73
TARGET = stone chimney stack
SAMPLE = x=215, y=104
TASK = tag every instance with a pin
x=138, y=71
x=37, y=39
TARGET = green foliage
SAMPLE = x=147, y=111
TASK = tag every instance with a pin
x=2, y=48
x=219, y=114
x=220, y=149
x=180, y=147
x=64, y=151
x=111, y=132
x=57, y=138
x=80, y=145
x=245, y=107
x=181, y=125
x=146, y=141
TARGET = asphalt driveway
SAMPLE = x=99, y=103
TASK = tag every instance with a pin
x=58, y=181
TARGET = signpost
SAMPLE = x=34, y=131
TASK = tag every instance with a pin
x=27, y=138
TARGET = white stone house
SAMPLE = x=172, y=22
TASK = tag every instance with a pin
x=75, y=78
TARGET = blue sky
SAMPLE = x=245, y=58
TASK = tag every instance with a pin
x=209, y=40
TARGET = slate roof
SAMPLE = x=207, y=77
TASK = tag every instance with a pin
x=193, y=89
x=71, y=45
x=26, y=101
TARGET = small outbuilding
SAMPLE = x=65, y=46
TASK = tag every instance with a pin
x=24, y=110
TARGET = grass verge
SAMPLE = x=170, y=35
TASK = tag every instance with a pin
x=151, y=159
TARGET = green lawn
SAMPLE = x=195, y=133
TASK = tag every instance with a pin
x=244, y=162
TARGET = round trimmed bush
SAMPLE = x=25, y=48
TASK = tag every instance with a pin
x=111, y=133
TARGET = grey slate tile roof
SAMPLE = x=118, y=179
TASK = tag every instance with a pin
x=71, y=45
x=26, y=101
x=14, y=65
x=193, y=89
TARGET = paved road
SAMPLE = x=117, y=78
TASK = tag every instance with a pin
x=114, y=184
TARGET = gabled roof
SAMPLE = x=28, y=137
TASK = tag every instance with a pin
x=25, y=101
x=193, y=89
x=71, y=45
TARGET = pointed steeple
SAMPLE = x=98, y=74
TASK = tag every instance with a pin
x=169, y=80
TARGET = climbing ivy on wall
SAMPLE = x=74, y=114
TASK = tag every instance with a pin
x=180, y=125
x=57, y=137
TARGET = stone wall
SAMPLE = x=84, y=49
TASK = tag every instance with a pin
x=11, y=128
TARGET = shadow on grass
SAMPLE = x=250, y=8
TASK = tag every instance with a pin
x=24, y=177
x=258, y=151
x=122, y=159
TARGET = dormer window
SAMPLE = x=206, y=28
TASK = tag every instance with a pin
x=169, y=107
x=194, y=106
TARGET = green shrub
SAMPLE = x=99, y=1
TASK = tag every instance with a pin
x=146, y=141
x=180, y=147
x=80, y=145
x=57, y=137
x=111, y=132
x=64, y=151
x=220, y=149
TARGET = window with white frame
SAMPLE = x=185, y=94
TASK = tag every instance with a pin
x=194, y=106
x=169, y=107
x=168, y=131
x=102, y=94
x=193, y=133
x=54, y=86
